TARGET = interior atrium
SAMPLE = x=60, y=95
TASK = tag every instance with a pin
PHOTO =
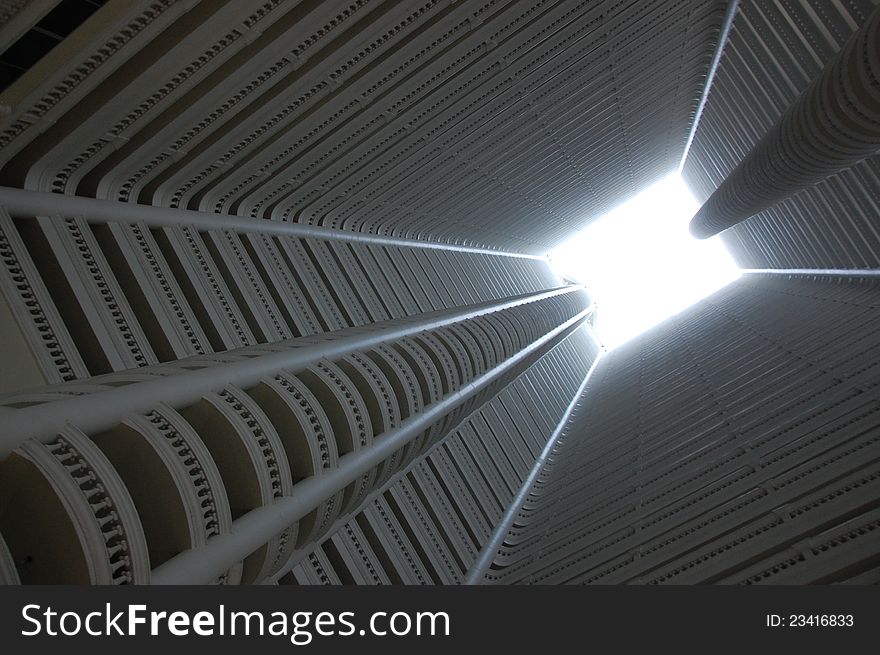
x=277, y=306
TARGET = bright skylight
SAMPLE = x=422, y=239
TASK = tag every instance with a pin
x=640, y=263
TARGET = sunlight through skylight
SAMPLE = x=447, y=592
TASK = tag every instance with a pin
x=640, y=263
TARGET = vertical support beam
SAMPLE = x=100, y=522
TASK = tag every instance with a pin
x=825, y=272
x=488, y=552
x=104, y=409
x=832, y=125
x=27, y=203
x=256, y=527
x=726, y=26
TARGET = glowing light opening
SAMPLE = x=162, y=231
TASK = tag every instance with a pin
x=640, y=263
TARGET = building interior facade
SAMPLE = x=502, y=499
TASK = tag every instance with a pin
x=276, y=309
